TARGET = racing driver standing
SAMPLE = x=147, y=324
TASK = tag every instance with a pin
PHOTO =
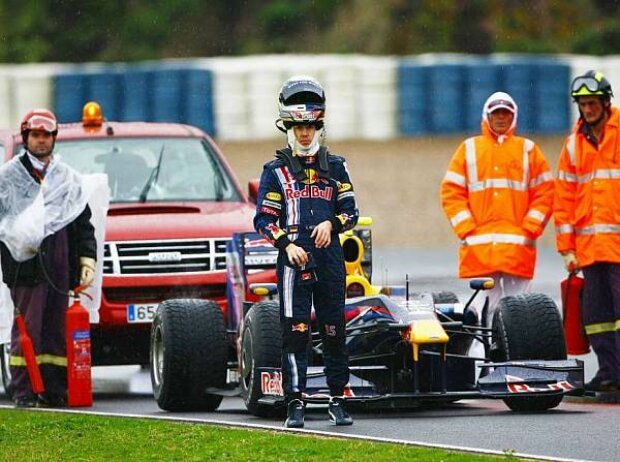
x=305, y=200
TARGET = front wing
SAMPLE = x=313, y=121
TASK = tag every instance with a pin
x=508, y=379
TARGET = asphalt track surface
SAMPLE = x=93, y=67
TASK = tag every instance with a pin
x=579, y=429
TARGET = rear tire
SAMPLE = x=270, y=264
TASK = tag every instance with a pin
x=188, y=354
x=445, y=296
x=528, y=326
x=261, y=346
x=5, y=349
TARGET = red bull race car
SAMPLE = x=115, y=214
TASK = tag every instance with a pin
x=405, y=348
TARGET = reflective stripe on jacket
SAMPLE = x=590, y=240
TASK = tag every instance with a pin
x=498, y=198
x=587, y=197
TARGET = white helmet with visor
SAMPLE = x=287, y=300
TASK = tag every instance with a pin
x=302, y=102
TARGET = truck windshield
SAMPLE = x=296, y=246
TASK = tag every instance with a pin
x=187, y=169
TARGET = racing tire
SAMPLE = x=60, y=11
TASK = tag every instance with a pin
x=528, y=326
x=261, y=346
x=445, y=296
x=5, y=349
x=448, y=298
x=188, y=354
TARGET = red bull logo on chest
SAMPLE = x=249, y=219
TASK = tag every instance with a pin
x=310, y=192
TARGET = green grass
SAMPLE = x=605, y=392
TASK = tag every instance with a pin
x=47, y=436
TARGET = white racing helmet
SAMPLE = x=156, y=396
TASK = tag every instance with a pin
x=302, y=101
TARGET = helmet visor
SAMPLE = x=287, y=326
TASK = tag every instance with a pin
x=38, y=122
x=302, y=113
x=586, y=86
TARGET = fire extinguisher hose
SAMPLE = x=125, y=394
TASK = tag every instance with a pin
x=32, y=366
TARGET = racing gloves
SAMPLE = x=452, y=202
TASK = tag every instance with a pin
x=87, y=271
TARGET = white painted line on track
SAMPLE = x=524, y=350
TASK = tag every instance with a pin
x=375, y=439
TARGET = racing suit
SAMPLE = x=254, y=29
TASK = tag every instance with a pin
x=295, y=195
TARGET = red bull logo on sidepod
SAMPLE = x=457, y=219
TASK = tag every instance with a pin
x=271, y=383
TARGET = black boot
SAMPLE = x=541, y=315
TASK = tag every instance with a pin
x=25, y=401
x=337, y=411
x=295, y=414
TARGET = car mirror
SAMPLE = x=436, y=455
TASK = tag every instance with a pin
x=482, y=284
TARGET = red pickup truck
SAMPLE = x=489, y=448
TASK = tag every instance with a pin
x=174, y=204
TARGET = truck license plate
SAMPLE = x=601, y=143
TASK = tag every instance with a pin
x=141, y=312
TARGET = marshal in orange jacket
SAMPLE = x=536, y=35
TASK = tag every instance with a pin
x=498, y=196
x=587, y=198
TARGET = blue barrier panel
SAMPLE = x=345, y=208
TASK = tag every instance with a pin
x=482, y=79
x=104, y=88
x=199, y=100
x=446, y=84
x=552, y=98
x=518, y=78
x=413, y=98
x=69, y=96
x=136, y=94
x=168, y=95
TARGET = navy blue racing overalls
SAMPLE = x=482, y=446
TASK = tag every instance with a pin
x=294, y=196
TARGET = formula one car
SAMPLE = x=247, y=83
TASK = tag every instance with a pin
x=405, y=348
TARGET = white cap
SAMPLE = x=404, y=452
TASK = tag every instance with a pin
x=499, y=100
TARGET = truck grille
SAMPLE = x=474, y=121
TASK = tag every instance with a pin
x=164, y=257
x=157, y=294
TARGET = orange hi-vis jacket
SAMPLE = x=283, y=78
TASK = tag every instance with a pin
x=498, y=196
x=587, y=197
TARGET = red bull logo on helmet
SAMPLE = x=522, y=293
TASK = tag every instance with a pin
x=310, y=192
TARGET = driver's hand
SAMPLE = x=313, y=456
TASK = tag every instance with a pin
x=322, y=234
x=296, y=255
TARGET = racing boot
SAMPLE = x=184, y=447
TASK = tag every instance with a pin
x=295, y=414
x=337, y=411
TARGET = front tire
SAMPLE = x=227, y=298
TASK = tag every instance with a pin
x=188, y=354
x=261, y=346
x=528, y=326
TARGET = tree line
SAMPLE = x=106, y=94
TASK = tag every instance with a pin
x=132, y=30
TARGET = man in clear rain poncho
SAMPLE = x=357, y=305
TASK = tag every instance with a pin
x=48, y=246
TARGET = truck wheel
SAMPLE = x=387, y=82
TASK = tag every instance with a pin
x=188, y=354
x=5, y=349
x=528, y=326
x=261, y=346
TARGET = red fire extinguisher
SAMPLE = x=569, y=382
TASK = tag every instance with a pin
x=34, y=373
x=79, y=380
x=576, y=339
